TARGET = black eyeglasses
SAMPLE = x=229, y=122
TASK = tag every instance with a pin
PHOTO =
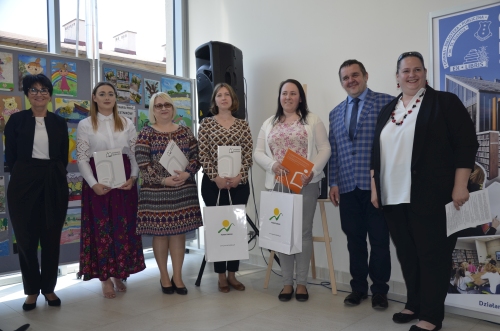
x=34, y=91
x=406, y=54
x=160, y=106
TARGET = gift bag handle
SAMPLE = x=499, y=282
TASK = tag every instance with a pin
x=281, y=182
x=230, y=201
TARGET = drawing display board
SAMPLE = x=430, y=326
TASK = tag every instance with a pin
x=136, y=86
x=71, y=78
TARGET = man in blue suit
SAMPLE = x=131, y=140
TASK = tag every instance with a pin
x=352, y=126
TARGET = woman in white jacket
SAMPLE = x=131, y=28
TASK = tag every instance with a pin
x=294, y=127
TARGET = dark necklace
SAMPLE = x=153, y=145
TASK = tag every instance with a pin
x=409, y=111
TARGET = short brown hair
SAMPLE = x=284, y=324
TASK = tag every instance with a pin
x=234, y=99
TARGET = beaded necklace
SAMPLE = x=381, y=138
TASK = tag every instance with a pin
x=409, y=111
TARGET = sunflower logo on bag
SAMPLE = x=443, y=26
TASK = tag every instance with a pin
x=226, y=226
x=276, y=215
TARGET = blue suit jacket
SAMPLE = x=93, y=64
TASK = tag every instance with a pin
x=350, y=160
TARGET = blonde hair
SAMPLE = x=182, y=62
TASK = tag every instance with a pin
x=94, y=109
x=490, y=268
x=151, y=115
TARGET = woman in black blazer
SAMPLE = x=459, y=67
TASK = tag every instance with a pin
x=36, y=150
x=423, y=153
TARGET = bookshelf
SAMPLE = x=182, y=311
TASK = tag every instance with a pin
x=488, y=151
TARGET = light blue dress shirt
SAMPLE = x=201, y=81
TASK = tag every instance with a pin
x=348, y=112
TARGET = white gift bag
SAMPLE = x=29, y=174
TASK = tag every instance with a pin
x=281, y=222
x=225, y=232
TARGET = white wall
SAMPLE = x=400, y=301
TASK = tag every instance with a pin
x=308, y=40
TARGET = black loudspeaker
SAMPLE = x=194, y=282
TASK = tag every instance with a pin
x=218, y=62
x=323, y=184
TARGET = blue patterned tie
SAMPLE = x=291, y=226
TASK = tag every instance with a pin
x=354, y=118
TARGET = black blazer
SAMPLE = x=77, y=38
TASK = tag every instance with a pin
x=20, y=134
x=445, y=139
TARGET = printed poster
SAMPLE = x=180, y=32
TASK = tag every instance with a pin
x=467, y=61
x=110, y=76
x=64, y=78
x=143, y=119
x=135, y=88
x=75, y=182
x=72, y=158
x=180, y=92
x=123, y=85
x=128, y=111
x=473, y=283
x=31, y=65
x=4, y=237
x=72, y=227
x=6, y=72
x=72, y=110
x=150, y=87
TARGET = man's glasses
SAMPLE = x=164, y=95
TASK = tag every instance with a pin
x=160, y=106
x=34, y=91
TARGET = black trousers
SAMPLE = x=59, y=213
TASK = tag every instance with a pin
x=38, y=200
x=239, y=196
x=424, y=251
x=360, y=219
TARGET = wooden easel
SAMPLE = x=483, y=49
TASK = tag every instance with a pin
x=326, y=239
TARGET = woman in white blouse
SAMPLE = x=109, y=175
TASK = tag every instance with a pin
x=294, y=127
x=109, y=249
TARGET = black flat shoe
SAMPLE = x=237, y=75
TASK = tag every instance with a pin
x=53, y=303
x=355, y=298
x=416, y=328
x=179, y=290
x=404, y=318
x=302, y=297
x=285, y=296
x=167, y=290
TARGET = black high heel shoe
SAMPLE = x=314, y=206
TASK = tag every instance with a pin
x=179, y=290
x=29, y=306
x=53, y=303
x=167, y=290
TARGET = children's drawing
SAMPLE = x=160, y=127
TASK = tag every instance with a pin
x=72, y=110
x=6, y=72
x=30, y=65
x=150, y=87
x=64, y=78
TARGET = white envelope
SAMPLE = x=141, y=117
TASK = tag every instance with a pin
x=229, y=161
x=173, y=158
x=110, y=168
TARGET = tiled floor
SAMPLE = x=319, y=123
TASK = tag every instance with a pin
x=144, y=307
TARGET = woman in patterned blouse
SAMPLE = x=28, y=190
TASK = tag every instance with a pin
x=168, y=203
x=294, y=127
x=223, y=129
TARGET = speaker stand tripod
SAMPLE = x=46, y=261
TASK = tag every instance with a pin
x=256, y=233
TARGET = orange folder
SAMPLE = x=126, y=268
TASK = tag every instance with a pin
x=297, y=166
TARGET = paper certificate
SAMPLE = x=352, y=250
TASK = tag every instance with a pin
x=297, y=166
x=474, y=212
x=229, y=161
x=109, y=167
x=173, y=159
